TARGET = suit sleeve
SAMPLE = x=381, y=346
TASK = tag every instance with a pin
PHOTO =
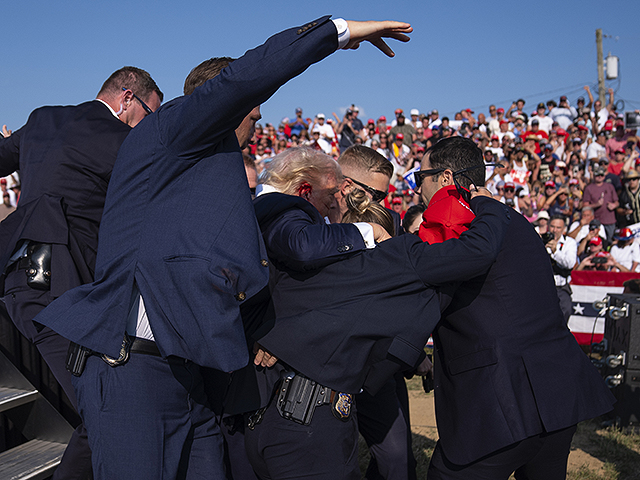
x=468, y=256
x=216, y=108
x=295, y=241
x=10, y=153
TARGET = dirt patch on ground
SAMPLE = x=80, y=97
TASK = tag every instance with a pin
x=423, y=426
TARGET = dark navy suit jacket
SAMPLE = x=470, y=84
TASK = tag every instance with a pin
x=65, y=156
x=179, y=221
x=355, y=322
x=507, y=366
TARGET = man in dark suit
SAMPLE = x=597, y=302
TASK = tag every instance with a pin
x=511, y=383
x=65, y=156
x=331, y=324
x=175, y=262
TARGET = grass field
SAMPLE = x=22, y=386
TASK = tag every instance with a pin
x=596, y=453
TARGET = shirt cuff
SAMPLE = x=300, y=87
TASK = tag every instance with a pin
x=343, y=32
x=366, y=231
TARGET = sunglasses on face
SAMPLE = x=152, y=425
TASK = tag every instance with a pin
x=509, y=190
x=420, y=175
x=376, y=195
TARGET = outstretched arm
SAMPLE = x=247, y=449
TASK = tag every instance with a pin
x=470, y=255
x=219, y=105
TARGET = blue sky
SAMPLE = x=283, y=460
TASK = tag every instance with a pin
x=462, y=54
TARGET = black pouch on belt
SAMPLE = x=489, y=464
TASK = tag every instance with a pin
x=39, y=268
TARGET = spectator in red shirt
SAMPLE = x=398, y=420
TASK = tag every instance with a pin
x=603, y=198
x=618, y=141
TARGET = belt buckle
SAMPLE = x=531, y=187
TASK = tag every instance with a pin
x=124, y=353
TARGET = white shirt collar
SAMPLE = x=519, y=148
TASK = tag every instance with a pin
x=109, y=107
x=263, y=188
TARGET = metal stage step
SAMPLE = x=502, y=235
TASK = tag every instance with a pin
x=14, y=397
x=34, y=460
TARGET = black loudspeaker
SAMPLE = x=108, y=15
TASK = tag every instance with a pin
x=621, y=368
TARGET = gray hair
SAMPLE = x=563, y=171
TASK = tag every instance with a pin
x=289, y=170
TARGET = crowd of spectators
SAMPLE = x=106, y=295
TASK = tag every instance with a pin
x=554, y=160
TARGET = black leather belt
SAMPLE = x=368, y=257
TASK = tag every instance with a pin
x=144, y=346
x=77, y=355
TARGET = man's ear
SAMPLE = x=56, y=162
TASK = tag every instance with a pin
x=446, y=178
x=305, y=190
x=127, y=98
x=346, y=187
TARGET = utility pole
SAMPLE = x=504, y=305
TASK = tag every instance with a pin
x=601, y=91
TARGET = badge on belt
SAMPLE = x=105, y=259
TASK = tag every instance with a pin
x=341, y=406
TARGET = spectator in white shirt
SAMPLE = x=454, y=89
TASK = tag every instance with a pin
x=564, y=255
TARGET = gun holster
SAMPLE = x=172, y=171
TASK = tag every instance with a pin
x=77, y=358
x=299, y=396
x=39, y=267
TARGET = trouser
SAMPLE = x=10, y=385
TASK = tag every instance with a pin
x=609, y=229
x=237, y=461
x=149, y=419
x=540, y=457
x=383, y=421
x=23, y=304
x=326, y=449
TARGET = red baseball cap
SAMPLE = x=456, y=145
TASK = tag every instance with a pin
x=399, y=136
x=595, y=241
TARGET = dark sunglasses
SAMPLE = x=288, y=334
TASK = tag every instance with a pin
x=145, y=107
x=509, y=190
x=420, y=175
x=376, y=195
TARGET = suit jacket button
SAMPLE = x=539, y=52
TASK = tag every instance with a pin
x=241, y=296
x=299, y=31
x=264, y=263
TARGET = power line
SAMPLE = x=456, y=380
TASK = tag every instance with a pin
x=565, y=90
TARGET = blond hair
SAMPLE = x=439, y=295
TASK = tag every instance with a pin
x=289, y=170
x=360, y=208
